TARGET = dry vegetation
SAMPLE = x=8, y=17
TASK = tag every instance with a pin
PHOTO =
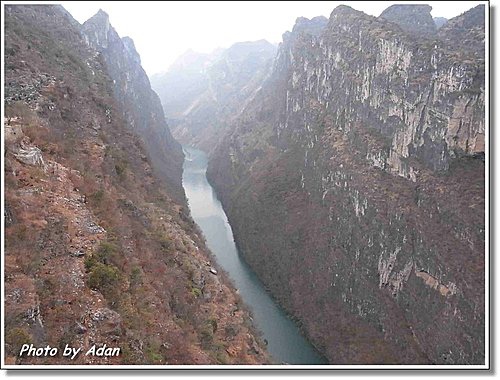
x=96, y=251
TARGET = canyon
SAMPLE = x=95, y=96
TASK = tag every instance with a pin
x=354, y=183
x=348, y=164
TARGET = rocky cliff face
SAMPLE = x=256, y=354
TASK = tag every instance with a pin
x=141, y=104
x=97, y=251
x=202, y=94
x=354, y=183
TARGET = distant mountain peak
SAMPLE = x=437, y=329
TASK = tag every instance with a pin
x=414, y=19
x=102, y=14
x=440, y=21
x=100, y=18
x=261, y=42
x=344, y=10
x=98, y=31
x=240, y=50
x=312, y=26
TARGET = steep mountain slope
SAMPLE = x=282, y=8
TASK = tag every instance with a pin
x=354, y=184
x=141, y=105
x=202, y=94
x=97, y=251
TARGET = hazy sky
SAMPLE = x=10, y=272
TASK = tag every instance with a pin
x=164, y=30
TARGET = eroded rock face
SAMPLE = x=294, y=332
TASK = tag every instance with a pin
x=143, y=108
x=30, y=155
x=358, y=166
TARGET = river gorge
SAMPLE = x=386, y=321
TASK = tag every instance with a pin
x=285, y=342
